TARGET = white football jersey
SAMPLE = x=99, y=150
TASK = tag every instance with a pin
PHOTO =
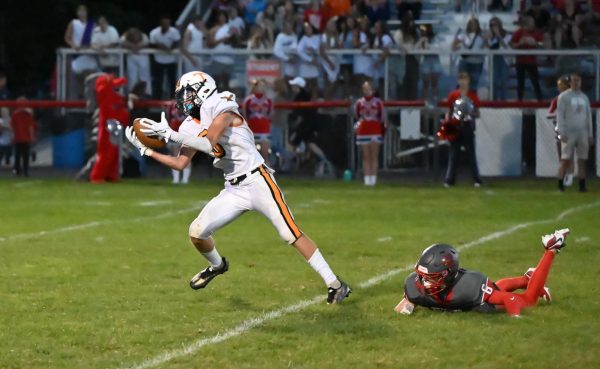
x=235, y=154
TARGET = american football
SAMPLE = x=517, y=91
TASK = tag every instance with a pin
x=151, y=142
x=351, y=184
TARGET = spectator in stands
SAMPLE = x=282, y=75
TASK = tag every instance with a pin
x=568, y=32
x=308, y=52
x=258, y=111
x=362, y=68
x=499, y=39
x=314, y=15
x=266, y=19
x=574, y=124
x=284, y=49
x=406, y=37
x=383, y=41
x=236, y=23
x=471, y=39
x=431, y=67
x=166, y=39
x=78, y=35
x=252, y=9
x=463, y=108
x=106, y=36
x=285, y=12
x=24, y=130
x=331, y=63
x=590, y=24
x=5, y=137
x=138, y=65
x=540, y=15
x=370, y=127
x=220, y=38
x=377, y=10
x=304, y=122
x=336, y=8
x=258, y=40
x=527, y=38
x=193, y=42
x=346, y=27
x=405, y=6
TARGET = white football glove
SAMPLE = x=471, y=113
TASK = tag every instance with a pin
x=160, y=129
x=404, y=307
x=130, y=134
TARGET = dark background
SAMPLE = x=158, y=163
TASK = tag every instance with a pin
x=31, y=30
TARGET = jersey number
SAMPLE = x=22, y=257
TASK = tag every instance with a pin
x=218, y=150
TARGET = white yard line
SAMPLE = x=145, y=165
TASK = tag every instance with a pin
x=78, y=227
x=260, y=320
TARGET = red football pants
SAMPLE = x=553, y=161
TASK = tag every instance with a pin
x=515, y=302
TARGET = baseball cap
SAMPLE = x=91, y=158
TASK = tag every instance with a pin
x=298, y=81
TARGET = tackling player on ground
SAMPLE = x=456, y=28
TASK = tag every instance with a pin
x=439, y=283
x=215, y=127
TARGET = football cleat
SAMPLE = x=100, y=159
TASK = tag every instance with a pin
x=556, y=240
x=545, y=295
x=203, y=278
x=337, y=295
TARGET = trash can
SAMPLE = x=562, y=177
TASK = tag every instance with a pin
x=68, y=149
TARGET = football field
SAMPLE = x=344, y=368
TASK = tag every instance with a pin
x=96, y=276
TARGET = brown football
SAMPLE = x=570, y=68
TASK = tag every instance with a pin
x=151, y=142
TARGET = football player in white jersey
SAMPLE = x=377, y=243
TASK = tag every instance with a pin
x=214, y=126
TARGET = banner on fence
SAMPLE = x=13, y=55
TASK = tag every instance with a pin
x=498, y=142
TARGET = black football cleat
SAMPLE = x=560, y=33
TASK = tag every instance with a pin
x=337, y=295
x=203, y=278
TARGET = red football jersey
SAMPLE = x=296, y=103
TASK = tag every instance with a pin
x=258, y=110
x=369, y=112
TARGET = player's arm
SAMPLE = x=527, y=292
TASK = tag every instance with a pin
x=175, y=162
x=214, y=133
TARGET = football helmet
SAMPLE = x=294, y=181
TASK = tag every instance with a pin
x=437, y=268
x=192, y=90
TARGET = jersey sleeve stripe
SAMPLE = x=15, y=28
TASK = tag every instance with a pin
x=283, y=208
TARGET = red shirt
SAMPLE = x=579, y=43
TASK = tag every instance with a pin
x=369, y=112
x=316, y=18
x=23, y=126
x=516, y=38
x=258, y=111
x=455, y=95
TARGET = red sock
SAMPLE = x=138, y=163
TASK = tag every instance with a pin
x=511, y=302
x=512, y=284
x=538, y=278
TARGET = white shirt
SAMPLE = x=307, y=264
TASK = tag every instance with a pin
x=237, y=24
x=573, y=113
x=196, y=39
x=104, y=39
x=5, y=133
x=471, y=41
x=222, y=33
x=78, y=30
x=285, y=45
x=308, y=50
x=168, y=38
x=235, y=154
x=363, y=62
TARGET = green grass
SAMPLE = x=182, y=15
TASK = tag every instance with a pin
x=114, y=293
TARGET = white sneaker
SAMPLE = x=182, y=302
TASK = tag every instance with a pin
x=568, y=180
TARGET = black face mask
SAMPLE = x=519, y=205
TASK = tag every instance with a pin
x=185, y=102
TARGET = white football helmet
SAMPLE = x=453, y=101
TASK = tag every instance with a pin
x=192, y=90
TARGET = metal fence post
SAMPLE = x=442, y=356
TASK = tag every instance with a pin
x=350, y=139
x=491, y=74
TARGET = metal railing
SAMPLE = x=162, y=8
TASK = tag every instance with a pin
x=449, y=58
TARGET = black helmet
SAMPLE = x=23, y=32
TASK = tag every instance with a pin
x=437, y=267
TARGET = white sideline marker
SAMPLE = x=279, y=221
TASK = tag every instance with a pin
x=274, y=314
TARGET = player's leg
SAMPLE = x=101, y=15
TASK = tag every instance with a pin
x=582, y=149
x=453, y=153
x=186, y=173
x=219, y=212
x=268, y=199
x=513, y=283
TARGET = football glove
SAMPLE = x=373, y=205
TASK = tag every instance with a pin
x=160, y=129
x=130, y=134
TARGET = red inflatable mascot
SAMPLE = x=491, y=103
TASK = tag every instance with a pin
x=111, y=105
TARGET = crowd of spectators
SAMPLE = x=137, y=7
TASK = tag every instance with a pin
x=303, y=39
